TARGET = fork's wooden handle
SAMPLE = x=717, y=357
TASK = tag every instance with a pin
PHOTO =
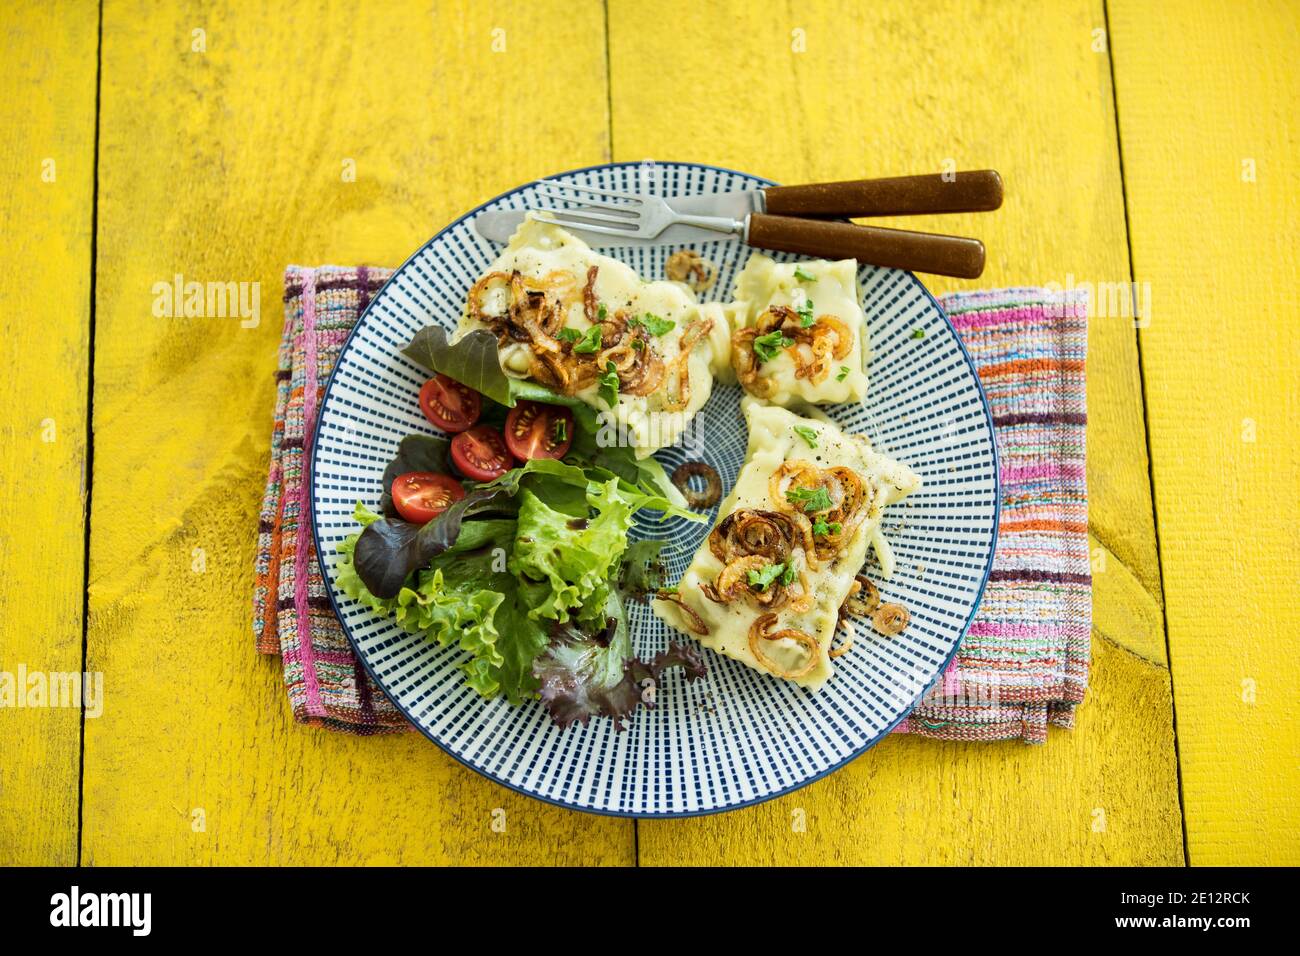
x=897, y=248
x=975, y=191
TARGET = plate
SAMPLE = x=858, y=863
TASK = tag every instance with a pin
x=735, y=737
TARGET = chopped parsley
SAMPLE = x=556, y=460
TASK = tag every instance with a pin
x=806, y=317
x=589, y=341
x=638, y=344
x=567, y=334
x=822, y=527
x=844, y=373
x=600, y=313
x=609, y=383
x=812, y=499
x=803, y=276
x=918, y=333
x=807, y=433
x=768, y=347
x=789, y=574
x=653, y=324
x=761, y=579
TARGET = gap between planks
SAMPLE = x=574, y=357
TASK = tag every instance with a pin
x=1146, y=430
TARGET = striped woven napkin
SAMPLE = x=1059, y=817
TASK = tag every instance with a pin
x=1024, y=663
x=292, y=615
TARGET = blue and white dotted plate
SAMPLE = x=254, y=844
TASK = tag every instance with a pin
x=737, y=736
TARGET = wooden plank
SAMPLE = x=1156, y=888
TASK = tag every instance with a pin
x=1208, y=95
x=226, y=164
x=897, y=87
x=47, y=162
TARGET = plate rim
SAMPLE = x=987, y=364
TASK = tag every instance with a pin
x=636, y=814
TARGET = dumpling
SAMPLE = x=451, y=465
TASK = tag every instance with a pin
x=588, y=326
x=800, y=335
x=767, y=584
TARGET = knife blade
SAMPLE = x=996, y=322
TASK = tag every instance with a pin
x=500, y=225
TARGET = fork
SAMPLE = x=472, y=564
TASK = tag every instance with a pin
x=638, y=216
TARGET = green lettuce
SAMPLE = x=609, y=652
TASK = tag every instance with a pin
x=577, y=557
x=465, y=598
x=500, y=587
x=390, y=549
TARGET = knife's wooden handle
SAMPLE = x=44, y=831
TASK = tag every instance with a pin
x=897, y=248
x=976, y=191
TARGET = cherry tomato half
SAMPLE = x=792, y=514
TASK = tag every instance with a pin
x=451, y=406
x=538, y=430
x=480, y=453
x=421, y=496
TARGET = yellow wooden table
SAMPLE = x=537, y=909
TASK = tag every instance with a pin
x=1140, y=142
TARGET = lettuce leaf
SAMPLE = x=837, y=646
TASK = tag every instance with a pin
x=577, y=557
x=537, y=604
x=465, y=598
x=585, y=675
x=390, y=549
x=643, y=568
x=471, y=360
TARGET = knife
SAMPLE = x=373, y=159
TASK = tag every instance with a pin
x=972, y=191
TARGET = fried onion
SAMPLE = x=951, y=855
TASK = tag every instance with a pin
x=733, y=582
x=862, y=599
x=890, y=619
x=697, y=625
x=850, y=501
x=760, y=631
x=686, y=265
x=751, y=531
x=679, y=369
x=813, y=348
x=712, y=484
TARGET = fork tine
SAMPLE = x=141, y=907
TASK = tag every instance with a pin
x=586, y=202
x=591, y=202
x=573, y=214
x=590, y=189
x=585, y=227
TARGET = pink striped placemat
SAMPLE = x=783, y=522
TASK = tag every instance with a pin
x=1024, y=663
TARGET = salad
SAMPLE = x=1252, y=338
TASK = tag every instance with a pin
x=510, y=539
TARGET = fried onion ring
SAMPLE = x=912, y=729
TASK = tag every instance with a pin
x=733, y=579
x=811, y=348
x=745, y=365
x=863, y=598
x=686, y=265
x=590, y=307
x=760, y=631
x=850, y=505
x=697, y=625
x=890, y=619
x=712, y=484
x=804, y=601
x=752, y=531
x=679, y=369
x=732, y=583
